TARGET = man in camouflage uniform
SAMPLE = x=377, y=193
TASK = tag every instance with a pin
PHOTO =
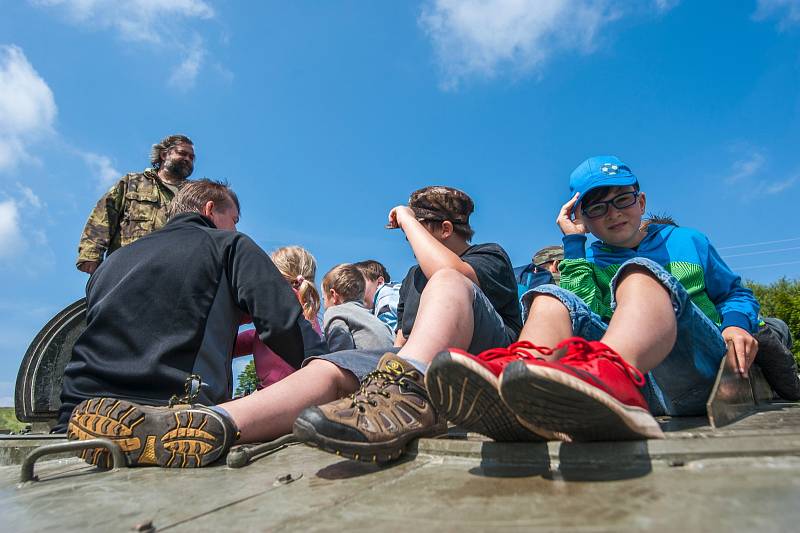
x=137, y=203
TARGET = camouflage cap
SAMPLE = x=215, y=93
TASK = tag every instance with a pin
x=439, y=203
x=547, y=254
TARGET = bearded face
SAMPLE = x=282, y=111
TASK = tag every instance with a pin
x=179, y=161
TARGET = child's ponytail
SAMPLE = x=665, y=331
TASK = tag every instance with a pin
x=299, y=268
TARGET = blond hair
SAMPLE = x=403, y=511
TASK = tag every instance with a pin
x=299, y=268
x=347, y=280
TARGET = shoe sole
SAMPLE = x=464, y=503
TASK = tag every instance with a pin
x=552, y=399
x=367, y=452
x=148, y=436
x=467, y=395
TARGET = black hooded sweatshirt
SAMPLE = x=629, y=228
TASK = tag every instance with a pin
x=169, y=305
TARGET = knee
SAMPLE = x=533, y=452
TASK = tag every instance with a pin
x=343, y=381
x=635, y=273
x=544, y=304
x=450, y=278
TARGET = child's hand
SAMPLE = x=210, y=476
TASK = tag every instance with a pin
x=742, y=348
x=398, y=215
x=568, y=225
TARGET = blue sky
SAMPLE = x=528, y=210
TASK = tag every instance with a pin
x=324, y=115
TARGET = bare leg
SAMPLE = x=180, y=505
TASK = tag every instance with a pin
x=644, y=339
x=269, y=413
x=444, y=319
x=548, y=323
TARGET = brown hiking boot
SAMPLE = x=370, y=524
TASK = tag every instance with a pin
x=374, y=425
x=183, y=436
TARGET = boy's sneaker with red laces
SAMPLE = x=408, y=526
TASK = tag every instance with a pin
x=464, y=389
x=591, y=394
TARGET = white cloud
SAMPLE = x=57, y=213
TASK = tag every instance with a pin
x=751, y=174
x=745, y=167
x=159, y=23
x=11, y=241
x=786, y=11
x=184, y=76
x=29, y=197
x=102, y=168
x=486, y=37
x=27, y=106
x=666, y=5
x=133, y=20
x=780, y=186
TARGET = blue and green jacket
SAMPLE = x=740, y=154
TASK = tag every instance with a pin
x=685, y=253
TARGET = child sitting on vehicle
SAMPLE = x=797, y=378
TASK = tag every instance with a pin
x=638, y=328
x=299, y=268
x=381, y=295
x=347, y=323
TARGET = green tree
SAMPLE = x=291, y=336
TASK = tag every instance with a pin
x=248, y=380
x=781, y=299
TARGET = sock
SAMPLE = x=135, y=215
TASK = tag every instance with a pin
x=419, y=365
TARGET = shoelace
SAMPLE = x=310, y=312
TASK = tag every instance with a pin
x=191, y=392
x=363, y=396
x=579, y=349
x=521, y=349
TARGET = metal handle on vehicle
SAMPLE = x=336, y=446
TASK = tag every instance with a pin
x=243, y=454
x=26, y=474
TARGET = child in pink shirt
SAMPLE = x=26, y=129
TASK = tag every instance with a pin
x=299, y=268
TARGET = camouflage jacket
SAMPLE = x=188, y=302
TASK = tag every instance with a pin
x=132, y=208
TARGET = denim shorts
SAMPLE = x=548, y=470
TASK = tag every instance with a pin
x=489, y=331
x=681, y=384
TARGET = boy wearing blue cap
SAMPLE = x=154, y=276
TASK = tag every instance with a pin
x=640, y=323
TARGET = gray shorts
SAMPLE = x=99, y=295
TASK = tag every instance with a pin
x=489, y=332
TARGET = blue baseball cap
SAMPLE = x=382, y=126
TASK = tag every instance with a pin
x=599, y=171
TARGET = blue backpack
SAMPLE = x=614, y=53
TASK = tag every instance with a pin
x=527, y=279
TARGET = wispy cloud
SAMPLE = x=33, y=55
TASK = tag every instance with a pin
x=780, y=186
x=102, y=168
x=156, y=23
x=666, y=5
x=745, y=167
x=787, y=12
x=27, y=107
x=753, y=175
x=485, y=38
x=185, y=75
x=29, y=197
x=11, y=241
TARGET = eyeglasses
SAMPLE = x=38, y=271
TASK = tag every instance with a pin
x=620, y=201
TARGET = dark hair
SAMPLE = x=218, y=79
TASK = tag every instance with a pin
x=372, y=270
x=595, y=194
x=434, y=204
x=159, y=150
x=193, y=196
x=659, y=218
x=346, y=280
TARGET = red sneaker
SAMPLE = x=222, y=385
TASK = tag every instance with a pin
x=464, y=389
x=591, y=393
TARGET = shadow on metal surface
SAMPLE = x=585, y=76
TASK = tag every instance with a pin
x=349, y=469
x=518, y=460
x=604, y=461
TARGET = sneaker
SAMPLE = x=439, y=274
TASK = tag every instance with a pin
x=374, y=425
x=183, y=436
x=590, y=394
x=777, y=362
x=464, y=389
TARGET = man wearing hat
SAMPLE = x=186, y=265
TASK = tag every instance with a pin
x=542, y=269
